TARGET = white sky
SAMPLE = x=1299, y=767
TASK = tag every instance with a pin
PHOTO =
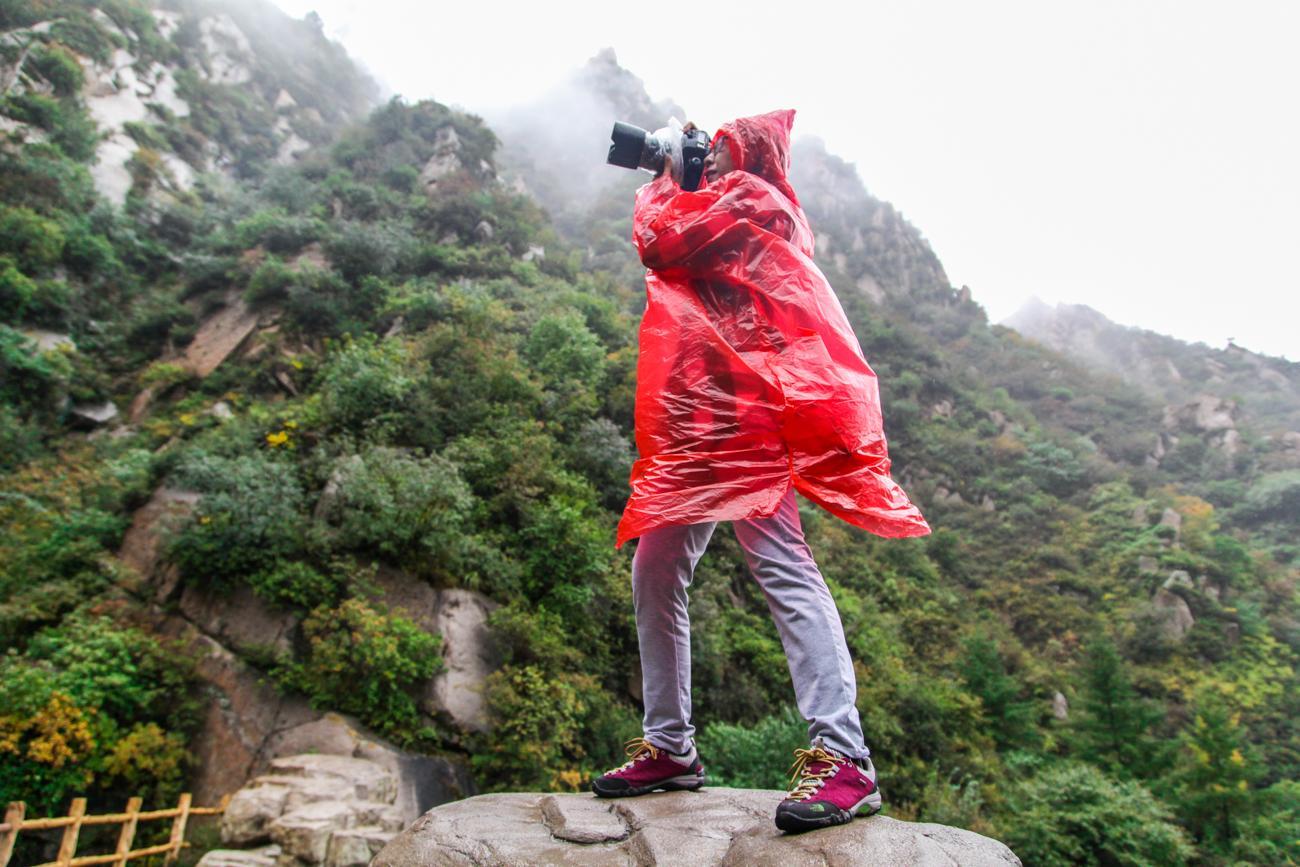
x=1139, y=157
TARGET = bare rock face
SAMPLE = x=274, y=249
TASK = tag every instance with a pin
x=263, y=857
x=220, y=334
x=1173, y=614
x=248, y=726
x=725, y=827
x=143, y=542
x=469, y=650
x=239, y=619
x=1205, y=412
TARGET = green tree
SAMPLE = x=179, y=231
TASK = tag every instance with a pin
x=1074, y=815
x=1009, y=720
x=1216, y=773
x=1116, y=721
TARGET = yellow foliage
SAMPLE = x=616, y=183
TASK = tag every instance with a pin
x=56, y=734
x=1007, y=448
x=572, y=780
x=147, y=752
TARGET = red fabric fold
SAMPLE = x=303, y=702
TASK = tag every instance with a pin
x=749, y=378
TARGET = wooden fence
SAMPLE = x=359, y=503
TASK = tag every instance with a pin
x=77, y=819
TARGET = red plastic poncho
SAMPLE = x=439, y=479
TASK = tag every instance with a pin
x=749, y=378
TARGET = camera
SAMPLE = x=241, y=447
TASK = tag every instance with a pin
x=635, y=148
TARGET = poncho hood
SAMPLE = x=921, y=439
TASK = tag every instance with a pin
x=760, y=145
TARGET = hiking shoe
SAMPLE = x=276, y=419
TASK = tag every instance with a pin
x=829, y=788
x=648, y=769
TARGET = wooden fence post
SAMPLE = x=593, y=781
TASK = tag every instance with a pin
x=178, y=831
x=14, y=819
x=127, y=837
x=68, y=848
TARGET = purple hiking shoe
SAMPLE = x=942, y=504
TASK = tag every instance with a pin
x=648, y=769
x=828, y=789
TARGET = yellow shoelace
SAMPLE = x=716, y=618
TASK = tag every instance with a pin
x=809, y=781
x=636, y=748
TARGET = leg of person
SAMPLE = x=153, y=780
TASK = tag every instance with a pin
x=835, y=777
x=662, y=570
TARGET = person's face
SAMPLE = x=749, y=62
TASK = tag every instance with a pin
x=718, y=162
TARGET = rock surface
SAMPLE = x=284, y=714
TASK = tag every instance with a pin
x=731, y=827
x=1173, y=615
x=328, y=810
x=469, y=650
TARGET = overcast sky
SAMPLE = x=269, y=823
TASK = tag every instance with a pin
x=1139, y=157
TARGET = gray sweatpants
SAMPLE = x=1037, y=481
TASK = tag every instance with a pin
x=805, y=615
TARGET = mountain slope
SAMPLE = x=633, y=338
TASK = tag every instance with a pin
x=375, y=354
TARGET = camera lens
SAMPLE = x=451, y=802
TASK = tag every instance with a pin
x=628, y=144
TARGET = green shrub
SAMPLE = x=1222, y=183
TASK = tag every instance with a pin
x=270, y=283
x=279, y=232
x=29, y=378
x=364, y=386
x=757, y=757
x=1054, y=469
x=35, y=243
x=1074, y=815
x=364, y=660
x=324, y=304
x=405, y=507
x=94, y=704
x=373, y=249
x=249, y=519
x=59, y=66
x=549, y=732
x=297, y=583
x=91, y=256
x=17, y=291
x=561, y=347
x=67, y=123
x=18, y=441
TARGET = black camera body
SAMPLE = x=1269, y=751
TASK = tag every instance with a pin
x=635, y=148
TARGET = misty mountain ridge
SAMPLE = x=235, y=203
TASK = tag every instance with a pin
x=1267, y=388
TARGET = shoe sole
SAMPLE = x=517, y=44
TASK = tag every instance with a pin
x=794, y=824
x=689, y=783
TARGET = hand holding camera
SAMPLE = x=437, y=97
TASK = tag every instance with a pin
x=678, y=150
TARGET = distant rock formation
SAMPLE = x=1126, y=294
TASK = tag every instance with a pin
x=861, y=241
x=1180, y=372
x=554, y=149
x=731, y=827
x=150, y=140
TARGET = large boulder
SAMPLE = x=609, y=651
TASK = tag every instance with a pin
x=422, y=782
x=306, y=799
x=731, y=827
x=1173, y=615
x=468, y=647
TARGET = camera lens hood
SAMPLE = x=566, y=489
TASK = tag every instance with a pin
x=628, y=143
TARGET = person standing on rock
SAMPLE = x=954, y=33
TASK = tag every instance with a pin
x=750, y=386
